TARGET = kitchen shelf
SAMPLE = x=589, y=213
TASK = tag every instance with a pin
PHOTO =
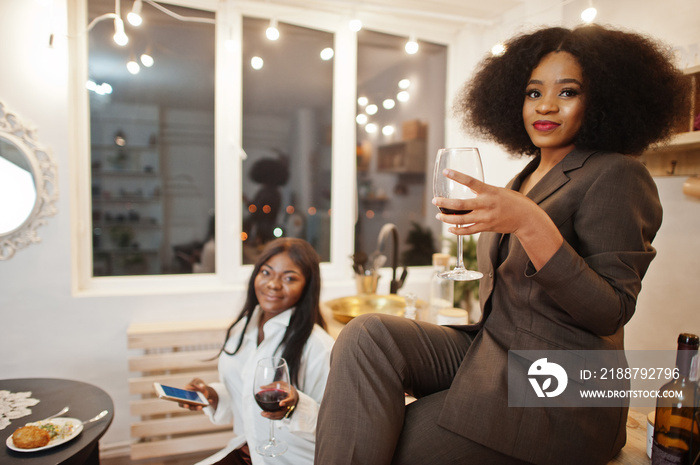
x=131, y=224
x=681, y=155
x=408, y=156
x=125, y=173
x=125, y=251
x=126, y=199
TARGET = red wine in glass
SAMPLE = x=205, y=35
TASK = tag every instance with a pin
x=270, y=386
x=449, y=211
x=468, y=161
x=269, y=399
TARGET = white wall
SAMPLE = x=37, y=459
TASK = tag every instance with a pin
x=46, y=331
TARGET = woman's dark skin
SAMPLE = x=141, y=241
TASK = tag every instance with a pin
x=278, y=286
x=553, y=111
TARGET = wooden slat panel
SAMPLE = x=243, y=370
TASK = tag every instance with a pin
x=190, y=349
x=144, y=385
x=199, y=359
x=177, y=425
x=185, y=445
x=154, y=406
x=193, y=338
x=178, y=333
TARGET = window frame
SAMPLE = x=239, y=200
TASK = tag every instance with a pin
x=230, y=274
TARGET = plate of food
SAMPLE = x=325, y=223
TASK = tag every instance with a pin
x=44, y=434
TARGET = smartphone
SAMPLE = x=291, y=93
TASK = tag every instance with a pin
x=180, y=395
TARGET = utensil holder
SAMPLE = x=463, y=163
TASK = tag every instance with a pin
x=366, y=283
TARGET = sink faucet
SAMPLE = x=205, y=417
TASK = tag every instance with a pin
x=388, y=228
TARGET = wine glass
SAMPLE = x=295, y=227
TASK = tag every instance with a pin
x=465, y=160
x=270, y=386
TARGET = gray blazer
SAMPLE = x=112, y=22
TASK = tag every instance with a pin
x=607, y=208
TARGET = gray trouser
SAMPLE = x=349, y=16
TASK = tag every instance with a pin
x=363, y=418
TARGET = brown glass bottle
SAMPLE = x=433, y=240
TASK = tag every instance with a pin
x=676, y=435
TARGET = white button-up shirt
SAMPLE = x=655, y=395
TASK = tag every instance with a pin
x=237, y=401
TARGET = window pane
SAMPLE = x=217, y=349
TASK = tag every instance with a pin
x=152, y=141
x=287, y=118
x=400, y=127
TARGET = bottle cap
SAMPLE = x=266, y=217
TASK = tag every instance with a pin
x=441, y=259
x=689, y=341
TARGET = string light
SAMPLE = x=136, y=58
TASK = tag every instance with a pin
x=99, y=89
x=147, y=60
x=120, y=37
x=412, y=45
x=355, y=25
x=133, y=66
x=589, y=14
x=327, y=54
x=134, y=16
x=371, y=109
x=256, y=62
x=272, y=33
x=362, y=101
x=498, y=49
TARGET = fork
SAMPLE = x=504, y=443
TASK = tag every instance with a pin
x=63, y=410
x=96, y=417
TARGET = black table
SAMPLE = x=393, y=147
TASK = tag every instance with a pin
x=85, y=401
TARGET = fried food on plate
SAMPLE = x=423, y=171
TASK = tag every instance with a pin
x=30, y=437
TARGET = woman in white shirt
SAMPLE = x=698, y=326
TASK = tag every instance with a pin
x=281, y=316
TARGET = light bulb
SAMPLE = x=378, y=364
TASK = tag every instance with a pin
x=362, y=101
x=327, y=54
x=120, y=37
x=412, y=46
x=133, y=67
x=272, y=32
x=388, y=130
x=355, y=25
x=498, y=49
x=389, y=103
x=371, y=109
x=404, y=84
x=403, y=96
x=134, y=16
x=588, y=15
x=147, y=60
x=361, y=119
x=256, y=63
x=371, y=128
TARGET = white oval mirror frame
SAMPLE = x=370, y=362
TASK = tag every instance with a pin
x=43, y=171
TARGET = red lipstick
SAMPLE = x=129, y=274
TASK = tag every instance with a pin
x=545, y=125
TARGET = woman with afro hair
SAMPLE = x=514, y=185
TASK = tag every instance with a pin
x=563, y=249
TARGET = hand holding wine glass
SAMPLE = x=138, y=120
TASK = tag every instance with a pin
x=270, y=386
x=468, y=161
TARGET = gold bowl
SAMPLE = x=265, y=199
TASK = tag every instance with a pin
x=345, y=309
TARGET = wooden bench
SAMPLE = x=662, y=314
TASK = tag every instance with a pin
x=173, y=353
